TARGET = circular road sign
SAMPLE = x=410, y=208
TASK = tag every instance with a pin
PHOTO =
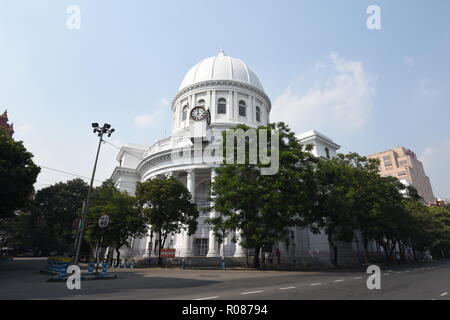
x=103, y=221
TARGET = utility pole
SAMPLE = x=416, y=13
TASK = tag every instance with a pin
x=100, y=131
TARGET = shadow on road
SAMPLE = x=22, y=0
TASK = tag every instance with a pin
x=20, y=279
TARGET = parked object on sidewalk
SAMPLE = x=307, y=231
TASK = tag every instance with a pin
x=91, y=268
x=104, y=269
x=54, y=264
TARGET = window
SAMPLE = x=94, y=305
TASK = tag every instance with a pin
x=201, y=247
x=201, y=103
x=185, y=111
x=403, y=162
x=258, y=114
x=327, y=151
x=242, y=108
x=402, y=173
x=387, y=158
x=222, y=106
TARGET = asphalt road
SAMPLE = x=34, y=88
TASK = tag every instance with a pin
x=20, y=279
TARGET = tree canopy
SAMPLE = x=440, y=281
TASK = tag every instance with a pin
x=168, y=207
x=18, y=174
x=262, y=207
x=126, y=221
x=57, y=208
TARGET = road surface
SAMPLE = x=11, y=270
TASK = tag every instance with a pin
x=20, y=279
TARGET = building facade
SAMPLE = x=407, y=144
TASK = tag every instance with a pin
x=403, y=164
x=216, y=94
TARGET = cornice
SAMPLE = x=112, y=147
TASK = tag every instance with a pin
x=120, y=171
x=215, y=83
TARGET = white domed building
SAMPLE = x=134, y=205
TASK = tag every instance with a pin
x=216, y=94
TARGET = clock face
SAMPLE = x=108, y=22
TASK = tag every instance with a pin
x=208, y=117
x=198, y=113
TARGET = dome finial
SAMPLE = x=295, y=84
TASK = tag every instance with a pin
x=222, y=51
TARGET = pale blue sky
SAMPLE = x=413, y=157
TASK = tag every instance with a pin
x=322, y=68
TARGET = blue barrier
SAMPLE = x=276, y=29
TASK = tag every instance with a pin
x=62, y=270
x=104, y=269
x=91, y=268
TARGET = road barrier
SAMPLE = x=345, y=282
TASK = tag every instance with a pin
x=104, y=269
x=57, y=264
x=91, y=268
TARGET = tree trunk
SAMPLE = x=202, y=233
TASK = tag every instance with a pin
x=159, y=250
x=392, y=249
x=111, y=255
x=402, y=251
x=256, y=263
x=263, y=258
x=246, y=258
x=366, y=251
x=386, y=250
x=333, y=251
x=118, y=257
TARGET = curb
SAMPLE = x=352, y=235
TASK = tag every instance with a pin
x=83, y=278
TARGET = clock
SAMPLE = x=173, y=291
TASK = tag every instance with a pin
x=198, y=114
x=208, y=117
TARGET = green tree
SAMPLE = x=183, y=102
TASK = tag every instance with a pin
x=168, y=207
x=126, y=220
x=27, y=231
x=334, y=212
x=383, y=217
x=18, y=173
x=440, y=232
x=353, y=199
x=18, y=230
x=422, y=230
x=260, y=206
x=56, y=210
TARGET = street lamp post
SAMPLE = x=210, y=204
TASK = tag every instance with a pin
x=100, y=131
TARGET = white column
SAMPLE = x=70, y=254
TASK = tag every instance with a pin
x=213, y=250
x=213, y=106
x=235, y=107
x=240, y=251
x=186, y=251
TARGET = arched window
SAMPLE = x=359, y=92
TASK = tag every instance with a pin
x=258, y=114
x=222, y=106
x=185, y=111
x=242, y=108
x=201, y=103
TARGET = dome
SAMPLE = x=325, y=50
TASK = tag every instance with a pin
x=221, y=67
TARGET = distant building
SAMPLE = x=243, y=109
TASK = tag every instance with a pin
x=323, y=146
x=437, y=203
x=5, y=126
x=402, y=163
